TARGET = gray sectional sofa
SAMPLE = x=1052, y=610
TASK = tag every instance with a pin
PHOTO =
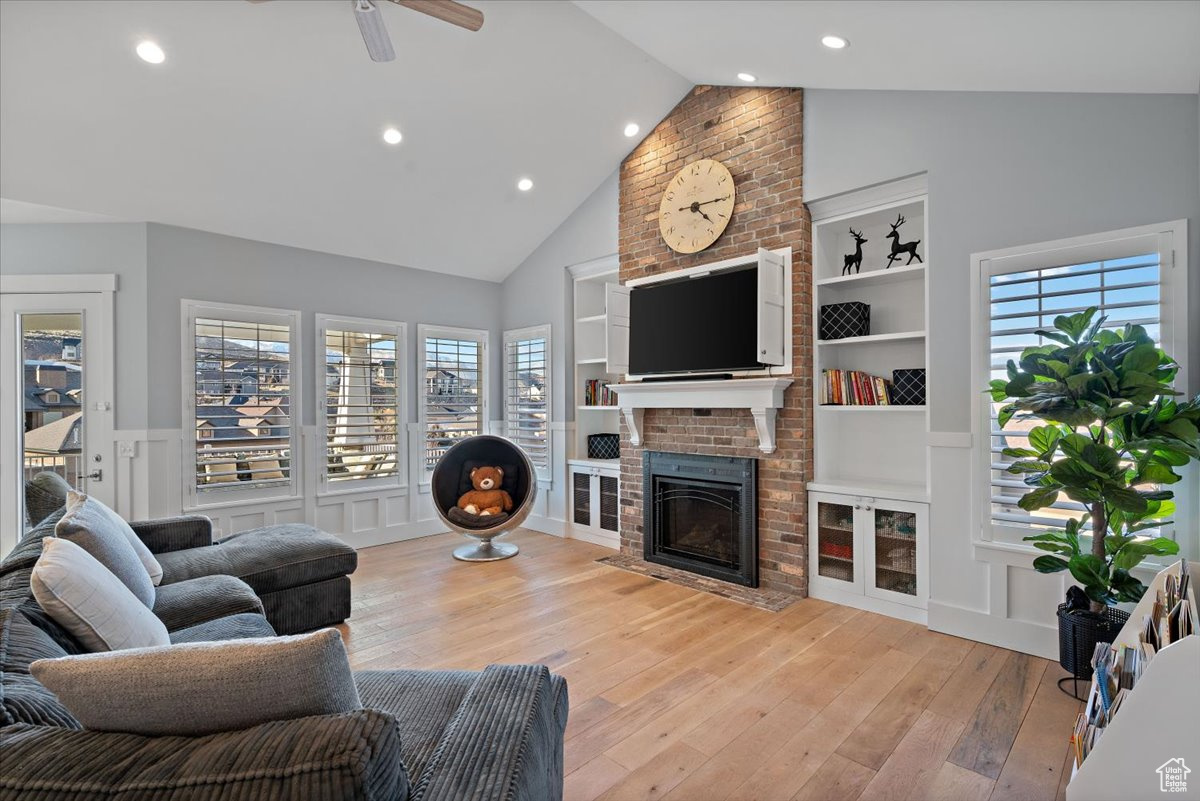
x=422, y=735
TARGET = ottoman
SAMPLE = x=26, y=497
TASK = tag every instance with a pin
x=301, y=574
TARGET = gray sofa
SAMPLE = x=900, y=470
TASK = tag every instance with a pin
x=423, y=735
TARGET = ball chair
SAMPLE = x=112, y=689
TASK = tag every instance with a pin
x=452, y=478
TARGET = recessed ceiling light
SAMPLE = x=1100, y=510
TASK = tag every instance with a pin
x=746, y=77
x=631, y=129
x=392, y=136
x=524, y=184
x=834, y=42
x=151, y=53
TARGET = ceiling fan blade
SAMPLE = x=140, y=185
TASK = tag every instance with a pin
x=374, y=34
x=447, y=11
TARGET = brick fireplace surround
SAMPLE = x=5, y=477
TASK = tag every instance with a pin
x=757, y=133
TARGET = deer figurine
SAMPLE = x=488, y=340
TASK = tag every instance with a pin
x=854, y=259
x=898, y=249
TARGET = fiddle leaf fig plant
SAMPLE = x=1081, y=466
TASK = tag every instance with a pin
x=1113, y=435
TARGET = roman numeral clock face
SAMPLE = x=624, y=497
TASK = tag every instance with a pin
x=696, y=206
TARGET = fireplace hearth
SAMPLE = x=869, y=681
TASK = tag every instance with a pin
x=700, y=515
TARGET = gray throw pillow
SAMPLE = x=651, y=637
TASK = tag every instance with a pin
x=45, y=493
x=87, y=600
x=101, y=532
x=201, y=688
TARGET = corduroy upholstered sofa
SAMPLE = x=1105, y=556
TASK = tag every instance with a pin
x=422, y=735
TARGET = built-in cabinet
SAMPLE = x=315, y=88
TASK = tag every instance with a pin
x=869, y=495
x=869, y=552
x=601, y=357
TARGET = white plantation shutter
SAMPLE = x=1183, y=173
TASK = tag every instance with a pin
x=242, y=401
x=527, y=392
x=363, y=375
x=1126, y=279
x=452, y=389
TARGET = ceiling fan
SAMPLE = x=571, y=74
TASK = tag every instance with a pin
x=375, y=36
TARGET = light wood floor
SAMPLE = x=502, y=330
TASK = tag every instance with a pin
x=681, y=695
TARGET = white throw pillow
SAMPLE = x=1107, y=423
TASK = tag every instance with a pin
x=205, y=687
x=87, y=518
x=87, y=600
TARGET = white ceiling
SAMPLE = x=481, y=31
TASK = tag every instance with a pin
x=16, y=211
x=265, y=122
x=1072, y=46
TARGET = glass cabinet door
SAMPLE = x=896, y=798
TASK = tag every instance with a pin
x=895, y=540
x=835, y=541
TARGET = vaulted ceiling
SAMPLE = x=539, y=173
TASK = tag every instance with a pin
x=265, y=120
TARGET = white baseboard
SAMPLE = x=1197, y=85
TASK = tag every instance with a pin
x=384, y=536
x=865, y=602
x=1016, y=635
x=570, y=531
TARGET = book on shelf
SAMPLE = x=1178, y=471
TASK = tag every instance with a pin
x=597, y=393
x=854, y=388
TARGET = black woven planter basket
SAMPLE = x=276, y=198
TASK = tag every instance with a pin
x=1078, y=633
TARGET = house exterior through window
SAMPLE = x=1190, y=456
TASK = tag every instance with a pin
x=453, y=388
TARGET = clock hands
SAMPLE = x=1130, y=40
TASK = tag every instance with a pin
x=696, y=206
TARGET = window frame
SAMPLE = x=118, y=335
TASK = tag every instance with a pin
x=530, y=333
x=1171, y=242
x=365, y=325
x=426, y=331
x=232, y=312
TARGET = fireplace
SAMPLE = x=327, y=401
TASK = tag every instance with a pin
x=699, y=514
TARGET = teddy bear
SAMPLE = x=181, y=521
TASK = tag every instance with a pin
x=487, y=498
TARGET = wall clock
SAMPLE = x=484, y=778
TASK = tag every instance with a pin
x=696, y=206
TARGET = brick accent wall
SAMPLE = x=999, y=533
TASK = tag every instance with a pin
x=758, y=134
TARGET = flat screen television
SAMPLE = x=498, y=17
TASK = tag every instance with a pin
x=706, y=324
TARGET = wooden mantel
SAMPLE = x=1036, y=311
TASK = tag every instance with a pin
x=762, y=396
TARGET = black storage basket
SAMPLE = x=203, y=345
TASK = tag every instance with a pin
x=1079, y=631
x=908, y=387
x=604, y=446
x=841, y=320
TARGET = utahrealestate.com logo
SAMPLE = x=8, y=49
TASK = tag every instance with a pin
x=1172, y=776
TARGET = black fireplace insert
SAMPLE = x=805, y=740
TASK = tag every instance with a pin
x=699, y=514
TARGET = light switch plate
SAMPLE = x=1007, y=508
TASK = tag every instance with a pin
x=127, y=450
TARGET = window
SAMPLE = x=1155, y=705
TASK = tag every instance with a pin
x=1131, y=276
x=363, y=416
x=453, y=388
x=241, y=377
x=527, y=392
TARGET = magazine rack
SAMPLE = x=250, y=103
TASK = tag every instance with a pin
x=1154, y=733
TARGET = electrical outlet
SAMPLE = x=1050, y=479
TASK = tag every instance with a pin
x=127, y=450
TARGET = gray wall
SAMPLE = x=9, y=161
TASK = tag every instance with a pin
x=184, y=263
x=1006, y=170
x=540, y=290
x=118, y=248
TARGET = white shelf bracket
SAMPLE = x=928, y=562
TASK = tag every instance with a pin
x=764, y=423
x=633, y=419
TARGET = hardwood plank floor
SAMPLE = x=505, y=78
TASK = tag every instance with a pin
x=682, y=695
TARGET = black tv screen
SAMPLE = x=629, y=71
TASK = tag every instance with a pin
x=705, y=324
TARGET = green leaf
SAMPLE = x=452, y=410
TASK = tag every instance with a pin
x=1089, y=570
x=1044, y=439
x=1142, y=359
x=1038, y=499
x=1127, y=500
x=1156, y=474
x=1005, y=414
x=1184, y=429
x=1049, y=564
x=1020, y=453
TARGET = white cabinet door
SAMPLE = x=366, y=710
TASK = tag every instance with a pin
x=616, y=328
x=835, y=542
x=896, y=535
x=772, y=277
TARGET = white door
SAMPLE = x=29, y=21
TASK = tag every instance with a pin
x=56, y=390
x=835, y=543
x=616, y=329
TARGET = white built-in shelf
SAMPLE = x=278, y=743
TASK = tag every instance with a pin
x=872, y=488
x=875, y=277
x=899, y=336
x=595, y=318
x=598, y=408
x=599, y=464
x=833, y=407
x=598, y=360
